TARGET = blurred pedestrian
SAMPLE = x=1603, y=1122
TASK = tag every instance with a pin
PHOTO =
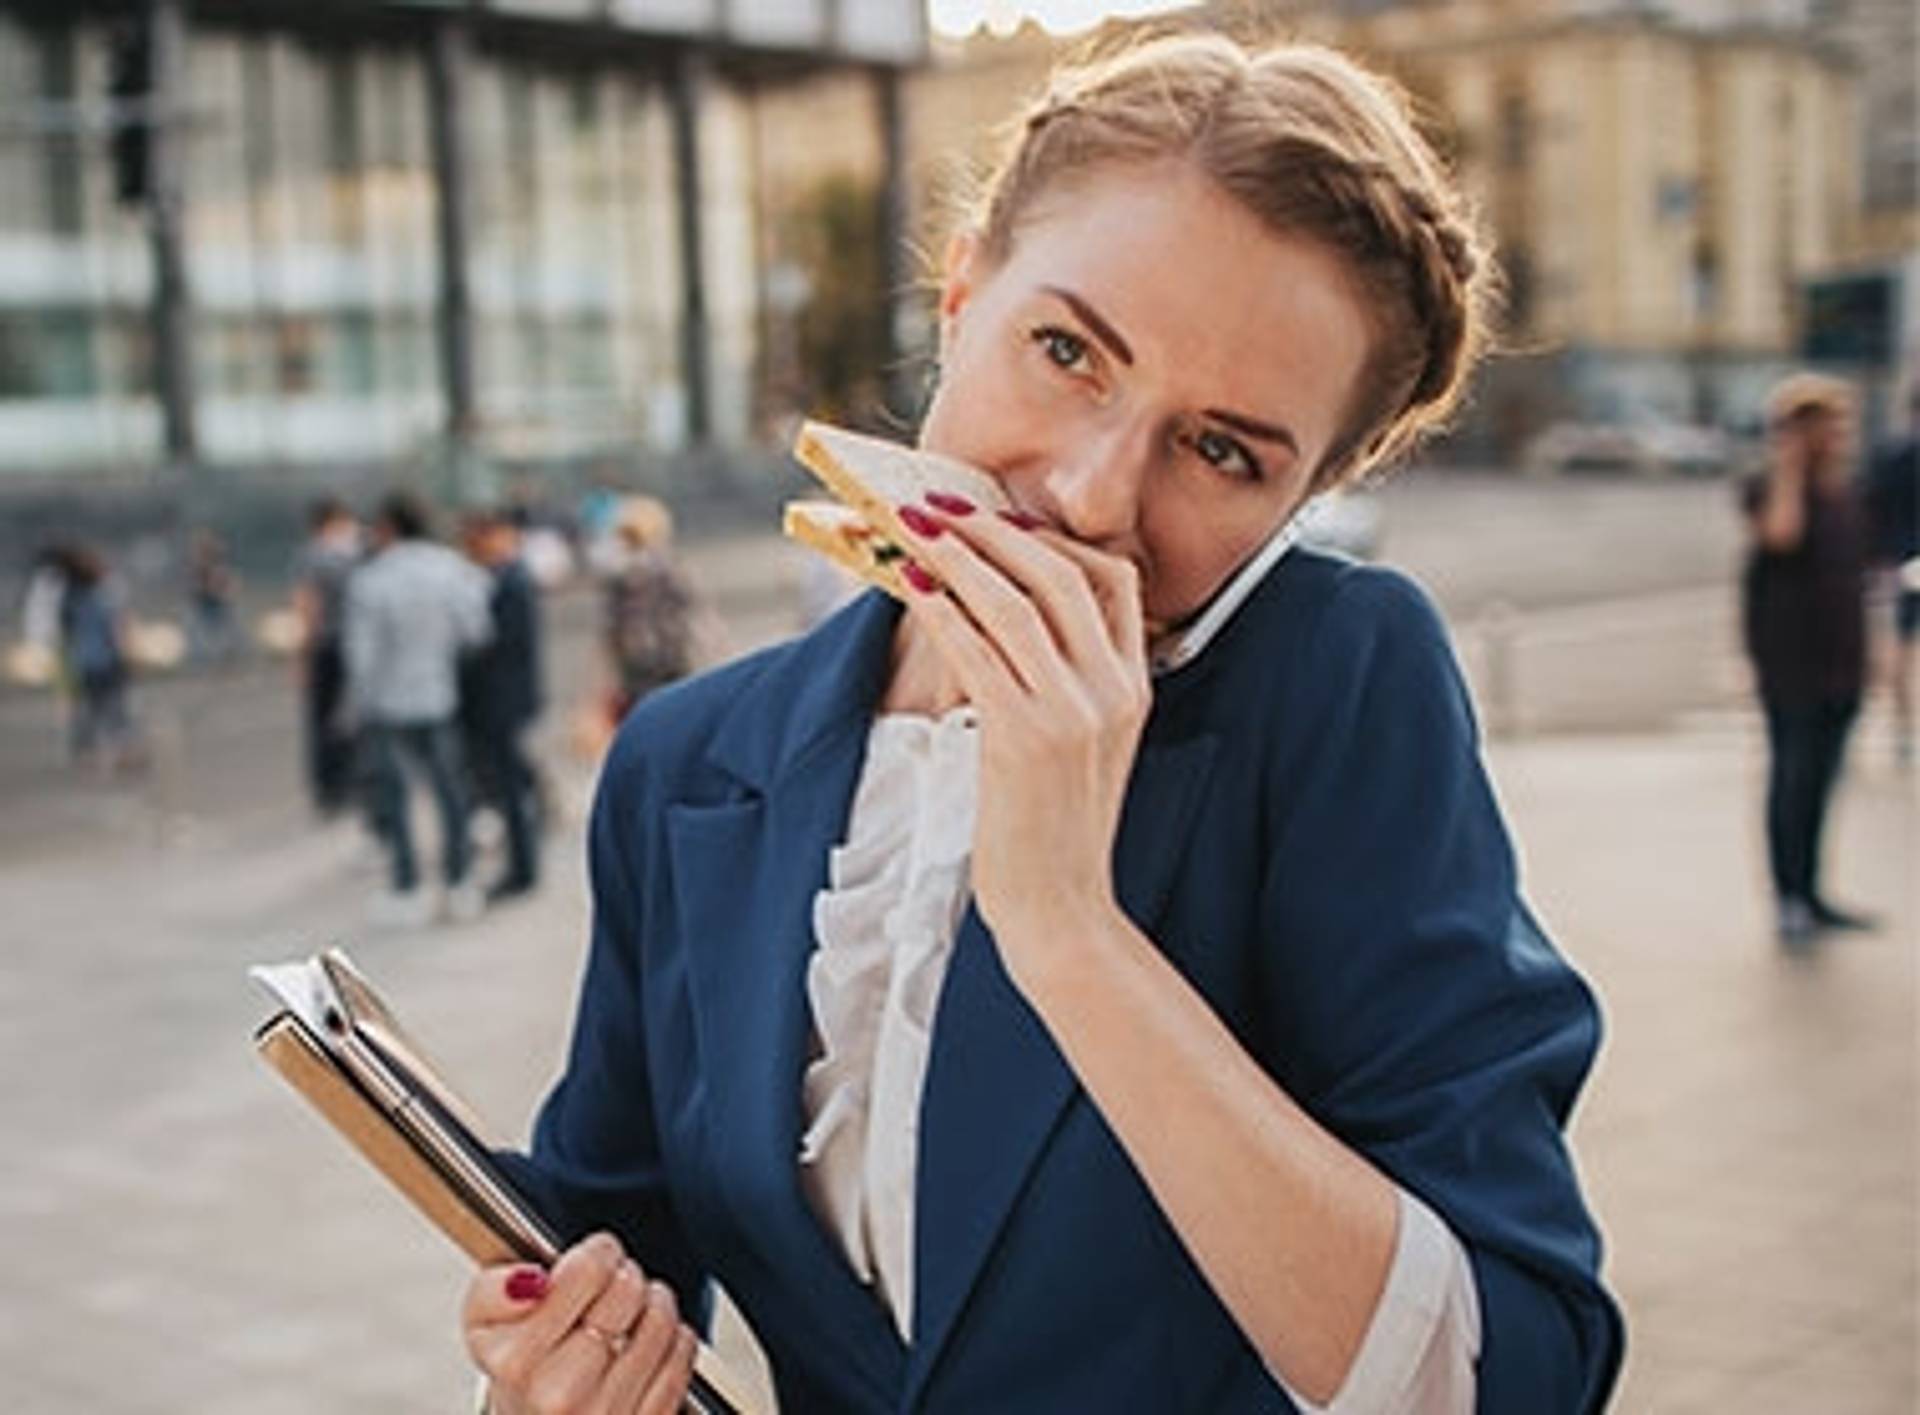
x=36, y=659
x=501, y=695
x=94, y=657
x=1805, y=621
x=213, y=622
x=597, y=518
x=547, y=535
x=1893, y=502
x=412, y=611
x=320, y=575
x=650, y=606
x=40, y=606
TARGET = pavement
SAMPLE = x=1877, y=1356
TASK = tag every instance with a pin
x=184, y=1237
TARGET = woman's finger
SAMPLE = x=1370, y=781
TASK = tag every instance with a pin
x=987, y=674
x=580, y=1275
x=641, y=1367
x=1116, y=588
x=669, y=1390
x=1025, y=568
x=522, y=1347
x=571, y=1376
x=611, y=1318
x=503, y=1293
x=1005, y=613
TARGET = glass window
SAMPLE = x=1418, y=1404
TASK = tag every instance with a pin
x=17, y=370
x=58, y=86
x=22, y=185
x=296, y=354
x=343, y=149
x=355, y=362
x=47, y=353
x=127, y=354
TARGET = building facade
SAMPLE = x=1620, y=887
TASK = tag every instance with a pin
x=1660, y=194
x=1663, y=184
x=369, y=230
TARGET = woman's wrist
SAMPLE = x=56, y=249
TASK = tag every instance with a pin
x=1055, y=953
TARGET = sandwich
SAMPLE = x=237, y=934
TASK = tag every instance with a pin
x=861, y=532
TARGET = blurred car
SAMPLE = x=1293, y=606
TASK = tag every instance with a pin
x=1646, y=446
x=1346, y=521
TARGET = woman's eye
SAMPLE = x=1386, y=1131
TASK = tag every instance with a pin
x=1216, y=449
x=1061, y=346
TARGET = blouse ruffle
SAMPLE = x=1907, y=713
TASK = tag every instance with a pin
x=884, y=928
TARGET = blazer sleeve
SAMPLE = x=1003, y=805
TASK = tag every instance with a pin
x=1411, y=1002
x=596, y=1160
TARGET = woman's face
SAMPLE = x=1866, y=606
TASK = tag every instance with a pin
x=1151, y=370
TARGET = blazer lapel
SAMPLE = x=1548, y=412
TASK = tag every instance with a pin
x=996, y=1083
x=744, y=875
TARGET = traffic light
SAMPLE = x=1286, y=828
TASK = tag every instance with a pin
x=130, y=82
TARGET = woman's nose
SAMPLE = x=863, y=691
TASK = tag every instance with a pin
x=1093, y=490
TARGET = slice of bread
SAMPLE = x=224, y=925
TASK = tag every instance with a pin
x=876, y=477
x=843, y=536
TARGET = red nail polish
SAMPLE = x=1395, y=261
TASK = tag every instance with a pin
x=526, y=1285
x=1023, y=520
x=919, y=578
x=920, y=523
x=948, y=502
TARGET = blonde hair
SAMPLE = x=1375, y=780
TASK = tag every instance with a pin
x=1314, y=146
x=1805, y=392
x=646, y=522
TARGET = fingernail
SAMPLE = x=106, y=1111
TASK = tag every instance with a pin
x=660, y=1297
x=919, y=578
x=526, y=1284
x=1021, y=519
x=948, y=502
x=920, y=523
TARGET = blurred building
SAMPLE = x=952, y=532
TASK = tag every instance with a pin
x=1670, y=184
x=1666, y=184
x=352, y=232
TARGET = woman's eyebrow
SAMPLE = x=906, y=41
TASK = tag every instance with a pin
x=1092, y=318
x=1239, y=422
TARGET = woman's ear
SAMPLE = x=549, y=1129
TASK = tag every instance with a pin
x=959, y=275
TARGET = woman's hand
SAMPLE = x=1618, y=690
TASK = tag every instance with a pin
x=1048, y=640
x=593, y=1337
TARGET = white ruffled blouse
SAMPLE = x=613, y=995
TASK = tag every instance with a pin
x=884, y=928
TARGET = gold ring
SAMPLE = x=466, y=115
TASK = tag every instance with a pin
x=614, y=1341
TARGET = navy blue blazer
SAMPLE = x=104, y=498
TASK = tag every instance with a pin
x=1308, y=835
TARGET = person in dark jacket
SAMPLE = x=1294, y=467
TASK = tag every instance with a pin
x=501, y=696
x=1804, y=612
x=1893, y=505
x=320, y=574
x=94, y=654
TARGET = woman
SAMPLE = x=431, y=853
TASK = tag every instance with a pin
x=1164, y=1032
x=650, y=608
x=93, y=641
x=1805, y=611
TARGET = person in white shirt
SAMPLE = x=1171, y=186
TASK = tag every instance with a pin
x=412, y=610
x=1103, y=984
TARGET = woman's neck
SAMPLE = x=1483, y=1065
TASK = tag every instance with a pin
x=918, y=680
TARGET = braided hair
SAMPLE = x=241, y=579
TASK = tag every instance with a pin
x=1314, y=146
